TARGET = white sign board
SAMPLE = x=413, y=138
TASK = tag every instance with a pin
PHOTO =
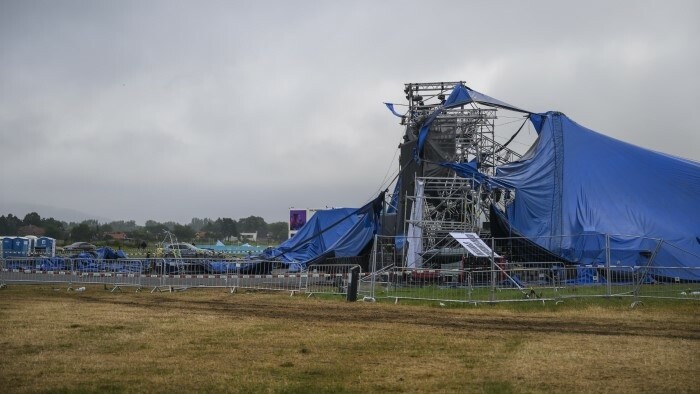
x=473, y=244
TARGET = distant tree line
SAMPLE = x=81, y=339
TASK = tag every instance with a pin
x=152, y=231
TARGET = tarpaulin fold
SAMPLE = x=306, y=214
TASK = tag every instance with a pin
x=577, y=183
x=341, y=232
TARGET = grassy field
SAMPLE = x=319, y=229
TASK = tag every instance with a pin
x=52, y=340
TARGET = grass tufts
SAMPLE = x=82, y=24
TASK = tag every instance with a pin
x=211, y=341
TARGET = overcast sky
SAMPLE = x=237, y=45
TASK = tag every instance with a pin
x=169, y=110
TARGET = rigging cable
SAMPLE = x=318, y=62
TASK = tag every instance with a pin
x=514, y=135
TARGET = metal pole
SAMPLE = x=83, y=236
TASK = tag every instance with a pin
x=608, y=284
x=641, y=274
x=353, y=278
x=492, y=293
x=404, y=244
x=373, y=279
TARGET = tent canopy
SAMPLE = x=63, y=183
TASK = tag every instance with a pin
x=342, y=232
x=575, y=182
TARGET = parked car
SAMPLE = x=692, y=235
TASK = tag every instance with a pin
x=80, y=247
x=184, y=249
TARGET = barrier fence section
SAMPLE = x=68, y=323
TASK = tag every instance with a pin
x=72, y=271
x=329, y=278
x=225, y=273
x=516, y=269
x=170, y=274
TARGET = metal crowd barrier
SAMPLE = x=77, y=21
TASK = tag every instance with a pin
x=72, y=271
x=332, y=279
x=158, y=274
x=528, y=283
x=508, y=282
x=596, y=265
x=234, y=274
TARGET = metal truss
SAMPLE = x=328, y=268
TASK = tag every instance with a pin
x=464, y=134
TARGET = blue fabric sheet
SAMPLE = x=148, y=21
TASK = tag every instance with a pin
x=393, y=111
x=342, y=232
x=460, y=95
x=580, y=184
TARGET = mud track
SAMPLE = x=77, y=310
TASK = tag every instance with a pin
x=324, y=312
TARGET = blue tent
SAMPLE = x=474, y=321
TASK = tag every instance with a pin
x=574, y=186
x=342, y=232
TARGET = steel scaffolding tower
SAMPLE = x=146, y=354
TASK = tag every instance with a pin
x=464, y=134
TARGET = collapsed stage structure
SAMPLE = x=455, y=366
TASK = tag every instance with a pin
x=576, y=196
x=448, y=127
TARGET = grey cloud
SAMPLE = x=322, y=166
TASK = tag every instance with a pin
x=169, y=110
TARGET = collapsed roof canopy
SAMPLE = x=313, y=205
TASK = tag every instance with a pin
x=577, y=183
x=341, y=232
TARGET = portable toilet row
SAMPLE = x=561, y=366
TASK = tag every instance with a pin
x=27, y=246
x=15, y=247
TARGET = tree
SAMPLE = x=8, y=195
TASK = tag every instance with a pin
x=170, y=225
x=125, y=226
x=227, y=227
x=52, y=222
x=54, y=232
x=32, y=219
x=82, y=232
x=141, y=233
x=222, y=228
x=54, y=228
x=92, y=223
x=155, y=228
x=183, y=233
x=91, y=229
x=252, y=224
x=198, y=224
x=213, y=229
x=278, y=230
x=9, y=224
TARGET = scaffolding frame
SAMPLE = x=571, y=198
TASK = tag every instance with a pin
x=463, y=134
x=449, y=205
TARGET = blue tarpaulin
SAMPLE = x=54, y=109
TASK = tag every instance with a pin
x=342, y=232
x=461, y=95
x=588, y=276
x=391, y=108
x=575, y=186
x=108, y=253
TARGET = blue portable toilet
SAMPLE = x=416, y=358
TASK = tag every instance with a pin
x=7, y=246
x=12, y=253
x=20, y=247
x=2, y=246
x=7, y=243
x=46, y=246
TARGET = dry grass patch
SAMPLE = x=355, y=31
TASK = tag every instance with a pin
x=210, y=340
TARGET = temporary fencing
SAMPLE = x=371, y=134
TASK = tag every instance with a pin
x=329, y=278
x=523, y=270
x=163, y=274
x=72, y=271
x=515, y=269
